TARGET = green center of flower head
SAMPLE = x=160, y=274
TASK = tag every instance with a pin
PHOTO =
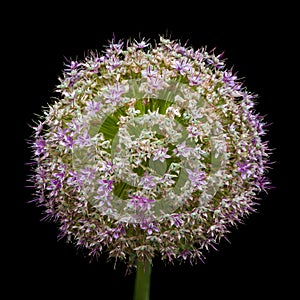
x=149, y=150
x=146, y=140
x=150, y=147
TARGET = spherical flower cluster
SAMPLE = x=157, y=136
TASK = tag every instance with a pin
x=149, y=150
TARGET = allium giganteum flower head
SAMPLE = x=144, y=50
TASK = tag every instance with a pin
x=149, y=151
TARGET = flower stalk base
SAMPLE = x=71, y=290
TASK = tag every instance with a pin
x=142, y=281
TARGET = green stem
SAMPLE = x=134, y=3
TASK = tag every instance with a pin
x=142, y=281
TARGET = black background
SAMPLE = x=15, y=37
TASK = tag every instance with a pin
x=259, y=44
